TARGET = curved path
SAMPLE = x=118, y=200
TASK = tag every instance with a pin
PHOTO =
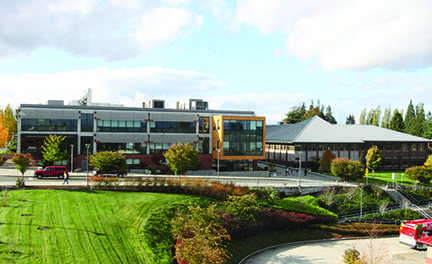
x=383, y=250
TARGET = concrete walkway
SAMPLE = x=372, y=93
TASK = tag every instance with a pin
x=381, y=250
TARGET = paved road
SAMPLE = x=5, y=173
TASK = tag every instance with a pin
x=382, y=250
x=8, y=176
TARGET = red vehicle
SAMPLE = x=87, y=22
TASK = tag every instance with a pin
x=52, y=171
x=412, y=231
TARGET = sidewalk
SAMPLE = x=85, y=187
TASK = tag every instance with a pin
x=381, y=250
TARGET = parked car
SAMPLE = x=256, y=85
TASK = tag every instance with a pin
x=52, y=171
x=119, y=174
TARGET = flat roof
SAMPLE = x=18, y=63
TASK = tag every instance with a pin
x=127, y=108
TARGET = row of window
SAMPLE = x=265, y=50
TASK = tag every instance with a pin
x=70, y=125
x=347, y=147
x=243, y=138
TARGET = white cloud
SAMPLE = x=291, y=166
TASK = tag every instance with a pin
x=119, y=86
x=339, y=34
x=110, y=29
x=164, y=24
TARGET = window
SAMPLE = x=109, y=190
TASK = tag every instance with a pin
x=87, y=122
x=121, y=126
x=173, y=127
x=244, y=138
x=32, y=124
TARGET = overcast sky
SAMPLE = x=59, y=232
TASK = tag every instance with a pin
x=265, y=56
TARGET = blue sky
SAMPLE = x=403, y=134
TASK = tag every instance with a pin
x=265, y=56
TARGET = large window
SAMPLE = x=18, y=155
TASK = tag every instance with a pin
x=172, y=127
x=30, y=124
x=87, y=122
x=121, y=126
x=124, y=148
x=243, y=138
x=204, y=123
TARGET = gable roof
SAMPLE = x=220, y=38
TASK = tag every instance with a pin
x=317, y=130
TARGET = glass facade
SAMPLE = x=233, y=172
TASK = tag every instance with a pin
x=121, y=126
x=124, y=148
x=87, y=122
x=204, y=124
x=172, y=127
x=243, y=138
x=30, y=124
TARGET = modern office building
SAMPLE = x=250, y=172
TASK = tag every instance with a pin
x=309, y=139
x=234, y=138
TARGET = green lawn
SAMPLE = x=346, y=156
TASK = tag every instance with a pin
x=53, y=226
x=384, y=177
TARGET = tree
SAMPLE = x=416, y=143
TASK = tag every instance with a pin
x=10, y=122
x=51, y=149
x=385, y=122
x=409, y=116
x=22, y=162
x=362, y=120
x=397, y=123
x=417, y=124
x=295, y=115
x=200, y=236
x=326, y=160
x=428, y=163
x=350, y=120
x=373, y=158
x=107, y=161
x=181, y=158
x=420, y=173
x=347, y=170
x=3, y=132
x=428, y=126
x=329, y=116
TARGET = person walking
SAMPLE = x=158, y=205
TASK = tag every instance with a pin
x=66, y=178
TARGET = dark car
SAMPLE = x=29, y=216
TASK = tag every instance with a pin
x=119, y=174
x=52, y=171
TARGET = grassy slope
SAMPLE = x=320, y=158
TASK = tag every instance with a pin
x=50, y=226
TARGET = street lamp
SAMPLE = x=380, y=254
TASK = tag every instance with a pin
x=361, y=201
x=218, y=151
x=72, y=145
x=87, y=147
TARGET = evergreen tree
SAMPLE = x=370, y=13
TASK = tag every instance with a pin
x=350, y=120
x=409, y=116
x=385, y=122
x=417, y=125
x=428, y=126
x=373, y=158
x=397, y=123
x=295, y=115
x=376, y=116
x=329, y=116
x=362, y=120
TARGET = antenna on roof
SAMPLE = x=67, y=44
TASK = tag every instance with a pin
x=86, y=98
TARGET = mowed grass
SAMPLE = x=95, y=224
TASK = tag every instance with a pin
x=386, y=177
x=58, y=226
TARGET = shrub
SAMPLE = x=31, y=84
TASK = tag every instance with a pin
x=200, y=236
x=245, y=206
x=351, y=256
x=347, y=170
x=326, y=160
x=2, y=160
x=419, y=173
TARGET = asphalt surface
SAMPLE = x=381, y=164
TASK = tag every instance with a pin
x=380, y=250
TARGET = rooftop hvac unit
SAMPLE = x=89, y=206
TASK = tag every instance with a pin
x=198, y=104
x=160, y=104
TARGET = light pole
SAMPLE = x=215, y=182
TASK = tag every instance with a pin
x=218, y=151
x=361, y=201
x=72, y=145
x=87, y=147
x=300, y=162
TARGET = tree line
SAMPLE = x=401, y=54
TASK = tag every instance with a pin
x=413, y=121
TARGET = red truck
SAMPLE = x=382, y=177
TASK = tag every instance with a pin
x=52, y=171
x=412, y=232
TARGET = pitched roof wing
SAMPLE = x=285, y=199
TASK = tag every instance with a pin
x=317, y=130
